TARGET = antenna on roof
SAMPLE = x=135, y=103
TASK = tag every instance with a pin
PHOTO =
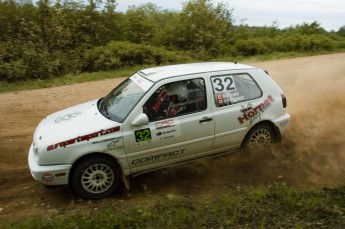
x=235, y=62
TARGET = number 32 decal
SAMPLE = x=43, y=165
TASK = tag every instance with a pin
x=225, y=83
x=142, y=135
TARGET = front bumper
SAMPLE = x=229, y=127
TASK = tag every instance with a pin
x=50, y=174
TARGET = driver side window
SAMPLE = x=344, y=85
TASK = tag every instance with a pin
x=176, y=99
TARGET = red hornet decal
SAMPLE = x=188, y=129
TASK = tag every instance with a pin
x=253, y=113
x=83, y=138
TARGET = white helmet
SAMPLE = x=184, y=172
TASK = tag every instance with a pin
x=178, y=89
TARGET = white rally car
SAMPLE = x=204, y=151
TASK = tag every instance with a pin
x=156, y=118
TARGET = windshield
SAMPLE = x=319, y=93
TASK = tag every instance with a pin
x=120, y=101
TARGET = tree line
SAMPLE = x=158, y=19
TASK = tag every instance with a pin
x=53, y=38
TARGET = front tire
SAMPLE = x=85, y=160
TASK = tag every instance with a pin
x=261, y=134
x=95, y=177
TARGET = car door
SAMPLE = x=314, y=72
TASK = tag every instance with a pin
x=180, y=125
x=235, y=94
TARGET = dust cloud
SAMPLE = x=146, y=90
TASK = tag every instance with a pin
x=312, y=151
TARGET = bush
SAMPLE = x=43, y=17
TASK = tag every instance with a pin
x=118, y=54
x=21, y=62
x=30, y=61
x=284, y=43
x=251, y=47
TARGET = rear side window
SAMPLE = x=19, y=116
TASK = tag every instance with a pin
x=234, y=88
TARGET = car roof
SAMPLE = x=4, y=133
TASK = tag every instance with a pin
x=157, y=73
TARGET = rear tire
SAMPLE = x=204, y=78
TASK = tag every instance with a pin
x=95, y=177
x=261, y=134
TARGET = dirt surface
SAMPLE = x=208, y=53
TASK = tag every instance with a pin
x=312, y=152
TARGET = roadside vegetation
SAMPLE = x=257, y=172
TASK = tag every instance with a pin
x=276, y=206
x=47, y=40
x=71, y=78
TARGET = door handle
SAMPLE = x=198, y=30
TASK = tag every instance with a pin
x=205, y=119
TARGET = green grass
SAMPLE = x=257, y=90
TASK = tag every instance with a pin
x=125, y=72
x=277, y=206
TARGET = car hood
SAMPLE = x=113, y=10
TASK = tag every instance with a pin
x=68, y=124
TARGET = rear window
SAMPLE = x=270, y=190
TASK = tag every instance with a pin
x=234, y=88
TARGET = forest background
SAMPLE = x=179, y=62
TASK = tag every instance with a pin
x=48, y=39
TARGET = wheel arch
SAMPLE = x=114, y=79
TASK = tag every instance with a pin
x=109, y=157
x=275, y=129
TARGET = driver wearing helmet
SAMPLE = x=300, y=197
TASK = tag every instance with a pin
x=178, y=94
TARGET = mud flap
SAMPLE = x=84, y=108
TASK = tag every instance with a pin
x=125, y=180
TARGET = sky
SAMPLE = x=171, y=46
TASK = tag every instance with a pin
x=330, y=14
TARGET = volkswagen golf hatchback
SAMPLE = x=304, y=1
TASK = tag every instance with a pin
x=156, y=118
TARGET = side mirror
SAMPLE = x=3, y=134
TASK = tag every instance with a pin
x=141, y=120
